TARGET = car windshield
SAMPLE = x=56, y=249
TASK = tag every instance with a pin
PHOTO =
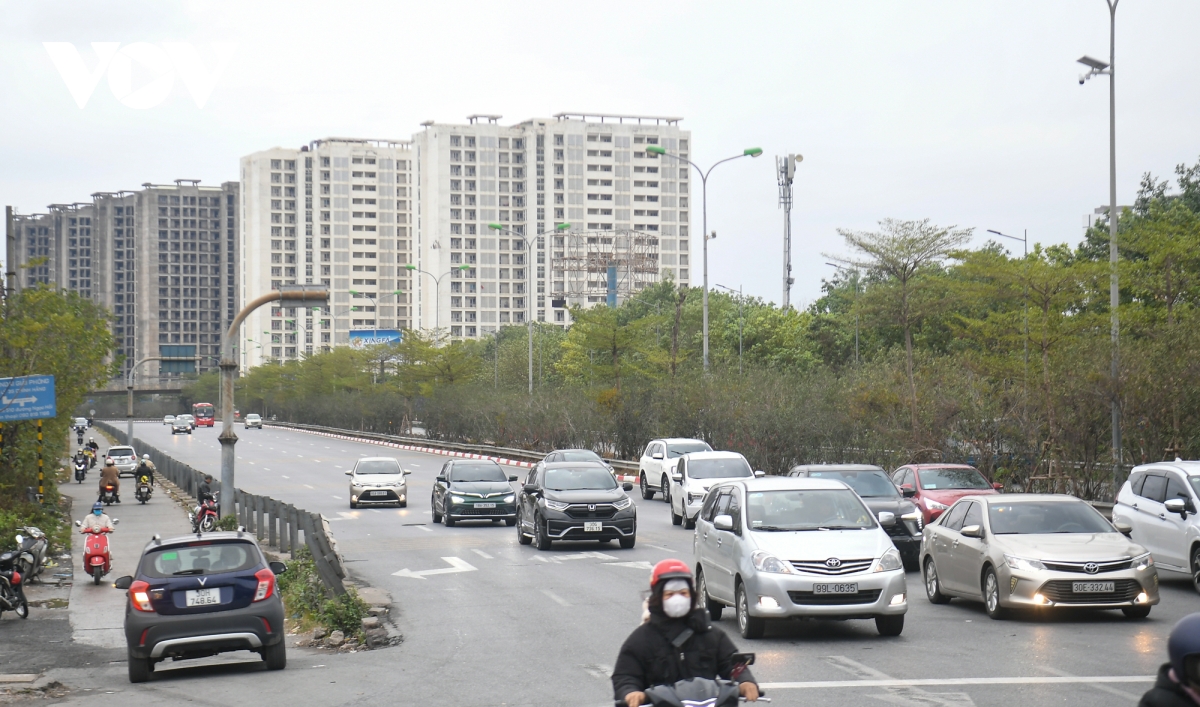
x=580, y=478
x=718, y=468
x=80, y=421
x=199, y=559
x=252, y=417
x=678, y=449
x=377, y=466
x=1045, y=517
x=868, y=484
x=120, y=451
x=580, y=455
x=938, y=479
x=478, y=472
x=815, y=509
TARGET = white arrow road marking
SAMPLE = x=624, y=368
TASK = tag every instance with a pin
x=457, y=564
x=557, y=599
x=539, y=558
x=421, y=527
x=583, y=556
x=482, y=554
x=639, y=565
x=899, y=694
x=344, y=516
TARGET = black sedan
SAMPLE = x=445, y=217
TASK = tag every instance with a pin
x=472, y=489
x=575, y=501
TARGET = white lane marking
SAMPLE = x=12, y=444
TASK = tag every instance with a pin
x=557, y=599
x=584, y=556
x=421, y=527
x=254, y=463
x=308, y=487
x=638, y=565
x=904, y=695
x=327, y=447
x=539, y=558
x=939, y=682
x=339, y=498
x=457, y=564
x=285, y=476
x=1102, y=688
x=481, y=553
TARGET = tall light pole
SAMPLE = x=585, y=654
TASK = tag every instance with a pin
x=1025, y=241
x=748, y=152
x=842, y=269
x=437, y=289
x=741, y=320
x=1095, y=68
x=528, y=284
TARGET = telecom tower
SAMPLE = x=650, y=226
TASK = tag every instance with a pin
x=786, y=170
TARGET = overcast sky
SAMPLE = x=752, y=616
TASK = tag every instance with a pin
x=967, y=113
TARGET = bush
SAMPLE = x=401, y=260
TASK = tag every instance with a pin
x=308, y=602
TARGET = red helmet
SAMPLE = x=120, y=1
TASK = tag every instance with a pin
x=670, y=569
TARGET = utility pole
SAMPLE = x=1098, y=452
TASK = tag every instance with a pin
x=785, y=169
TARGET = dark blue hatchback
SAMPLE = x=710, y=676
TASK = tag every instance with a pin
x=200, y=595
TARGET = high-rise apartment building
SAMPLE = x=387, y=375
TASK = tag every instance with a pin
x=336, y=212
x=160, y=258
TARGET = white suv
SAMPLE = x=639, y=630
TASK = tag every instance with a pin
x=693, y=475
x=1159, y=502
x=654, y=468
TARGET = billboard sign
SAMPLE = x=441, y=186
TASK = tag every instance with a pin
x=27, y=398
x=362, y=338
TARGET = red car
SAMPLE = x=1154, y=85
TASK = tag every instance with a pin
x=935, y=487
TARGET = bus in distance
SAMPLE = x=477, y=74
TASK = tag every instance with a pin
x=204, y=414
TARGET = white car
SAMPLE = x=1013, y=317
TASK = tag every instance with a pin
x=694, y=474
x=253, y=420
x=658, y=459
x=125, y=459
x=1158, y=505
x=191, y=421
x=168, y=419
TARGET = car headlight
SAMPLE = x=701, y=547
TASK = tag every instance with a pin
x=693, y=497
x=766, y=562
x=623, y=503
x=1143, y=562
x=555, y=505
x=511, y=498
x=914, y=517
x=1021, y=563
x=457, y=499
x=890, y=561
x=934, y=505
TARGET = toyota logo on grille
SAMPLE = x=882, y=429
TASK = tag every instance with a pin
x=833, y=563
x=591, y=506
x=1091, y=568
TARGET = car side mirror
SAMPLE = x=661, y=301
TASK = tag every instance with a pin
x=1176, y=505
x=1123, y=528
x=277, y=567
x=123, y=582
x=972, y=531
x=908, y=491
x=677, y=476
x=440, y=479
x=78, y=524
x=531, y=489
x=760, y=473
x=656, y=455
x=406, y=472
x=349, y=473
x=998, y=487
x=887, y=518
x=627, y=486
x=723, y=522
x=512, y=477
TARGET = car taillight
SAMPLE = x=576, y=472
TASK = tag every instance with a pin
x=139, y=596
x=266, y=584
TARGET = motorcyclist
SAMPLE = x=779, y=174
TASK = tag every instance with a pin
x=92, y=445
x=80, y=456
x=205, y=491
x=673, y=626
x=98, y=519
x=1178, y=683
x=145, y=469
x=111, y=475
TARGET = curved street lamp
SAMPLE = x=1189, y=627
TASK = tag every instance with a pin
x=437, y=287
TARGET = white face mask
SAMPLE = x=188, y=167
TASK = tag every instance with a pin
x=677, y=606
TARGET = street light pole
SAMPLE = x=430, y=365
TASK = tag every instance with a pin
x=1097, y=68
x=741, y=320
x=1025, y=242
x=437, y=289
x=748, y=152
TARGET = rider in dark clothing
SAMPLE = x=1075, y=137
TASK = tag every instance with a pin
x=675, y=642
x=205, y=490
x=1178, y=683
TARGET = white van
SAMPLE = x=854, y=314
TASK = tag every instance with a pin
x=1158, y=504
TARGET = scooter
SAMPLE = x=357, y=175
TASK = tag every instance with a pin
x=144, y=489
x=12, y=591
x=91, y=457
x=81, y=469
x=97, y=560
x=108, y=495
x=205, y=516
x=32, y=546
x=701, y=692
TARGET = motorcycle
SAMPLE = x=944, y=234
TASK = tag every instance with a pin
x=12, y=591
x=702, y=692
x=97, y=560
x=79, y=439
x=31, y=549
x=108, y=495
x=205, y=516
x=81, y=468
x=144, y=489
x=91, y=457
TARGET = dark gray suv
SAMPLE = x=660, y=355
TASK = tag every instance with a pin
x=197, y=596
x=575, y=501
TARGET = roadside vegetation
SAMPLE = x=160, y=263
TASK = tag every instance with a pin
x=920, y=349
x=309, y=604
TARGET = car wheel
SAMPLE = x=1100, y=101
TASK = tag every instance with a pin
x=750, y=627
x=689, y=523
x=675, y=519
x=713, y=608
x=275, y=656
x=510, y=522
x=403, y=504
x=889, y=625
x=446, y=519
x=353, y=505
x=140, y=669
x=437, y=517
x=665, y=485
x=991, y=595
x=933, y=586
x=1196, y=568
x=629, y=542
x=1136, y=612
x=522, y=538
x=646, y=492
x=539, y=536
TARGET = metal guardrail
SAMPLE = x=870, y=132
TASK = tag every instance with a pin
x=275, y=523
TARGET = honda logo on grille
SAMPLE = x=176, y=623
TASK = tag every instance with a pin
x=1091, y=568
x=591, y=506
x=833, y=563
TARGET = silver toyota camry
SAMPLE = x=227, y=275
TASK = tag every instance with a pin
x=1035, y=551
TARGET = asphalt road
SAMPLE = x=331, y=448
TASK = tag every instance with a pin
x=524, y=627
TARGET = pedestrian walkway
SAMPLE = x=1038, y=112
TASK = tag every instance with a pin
x=98, y=611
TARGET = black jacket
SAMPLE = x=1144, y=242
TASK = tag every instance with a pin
x=205, y=491
x=648, y=658
x=1166, y=692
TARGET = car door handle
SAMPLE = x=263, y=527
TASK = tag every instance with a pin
x=719, y=539
x=955, y=543
x=1162, y=516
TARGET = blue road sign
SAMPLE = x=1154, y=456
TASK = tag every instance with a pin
x=27, y=398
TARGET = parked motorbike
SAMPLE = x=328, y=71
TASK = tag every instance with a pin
x=205, y=516
x=12, y=591
x=81, y=469
x=97, y=560
x=108, y=495
x=32, y=546
x=144, y=489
